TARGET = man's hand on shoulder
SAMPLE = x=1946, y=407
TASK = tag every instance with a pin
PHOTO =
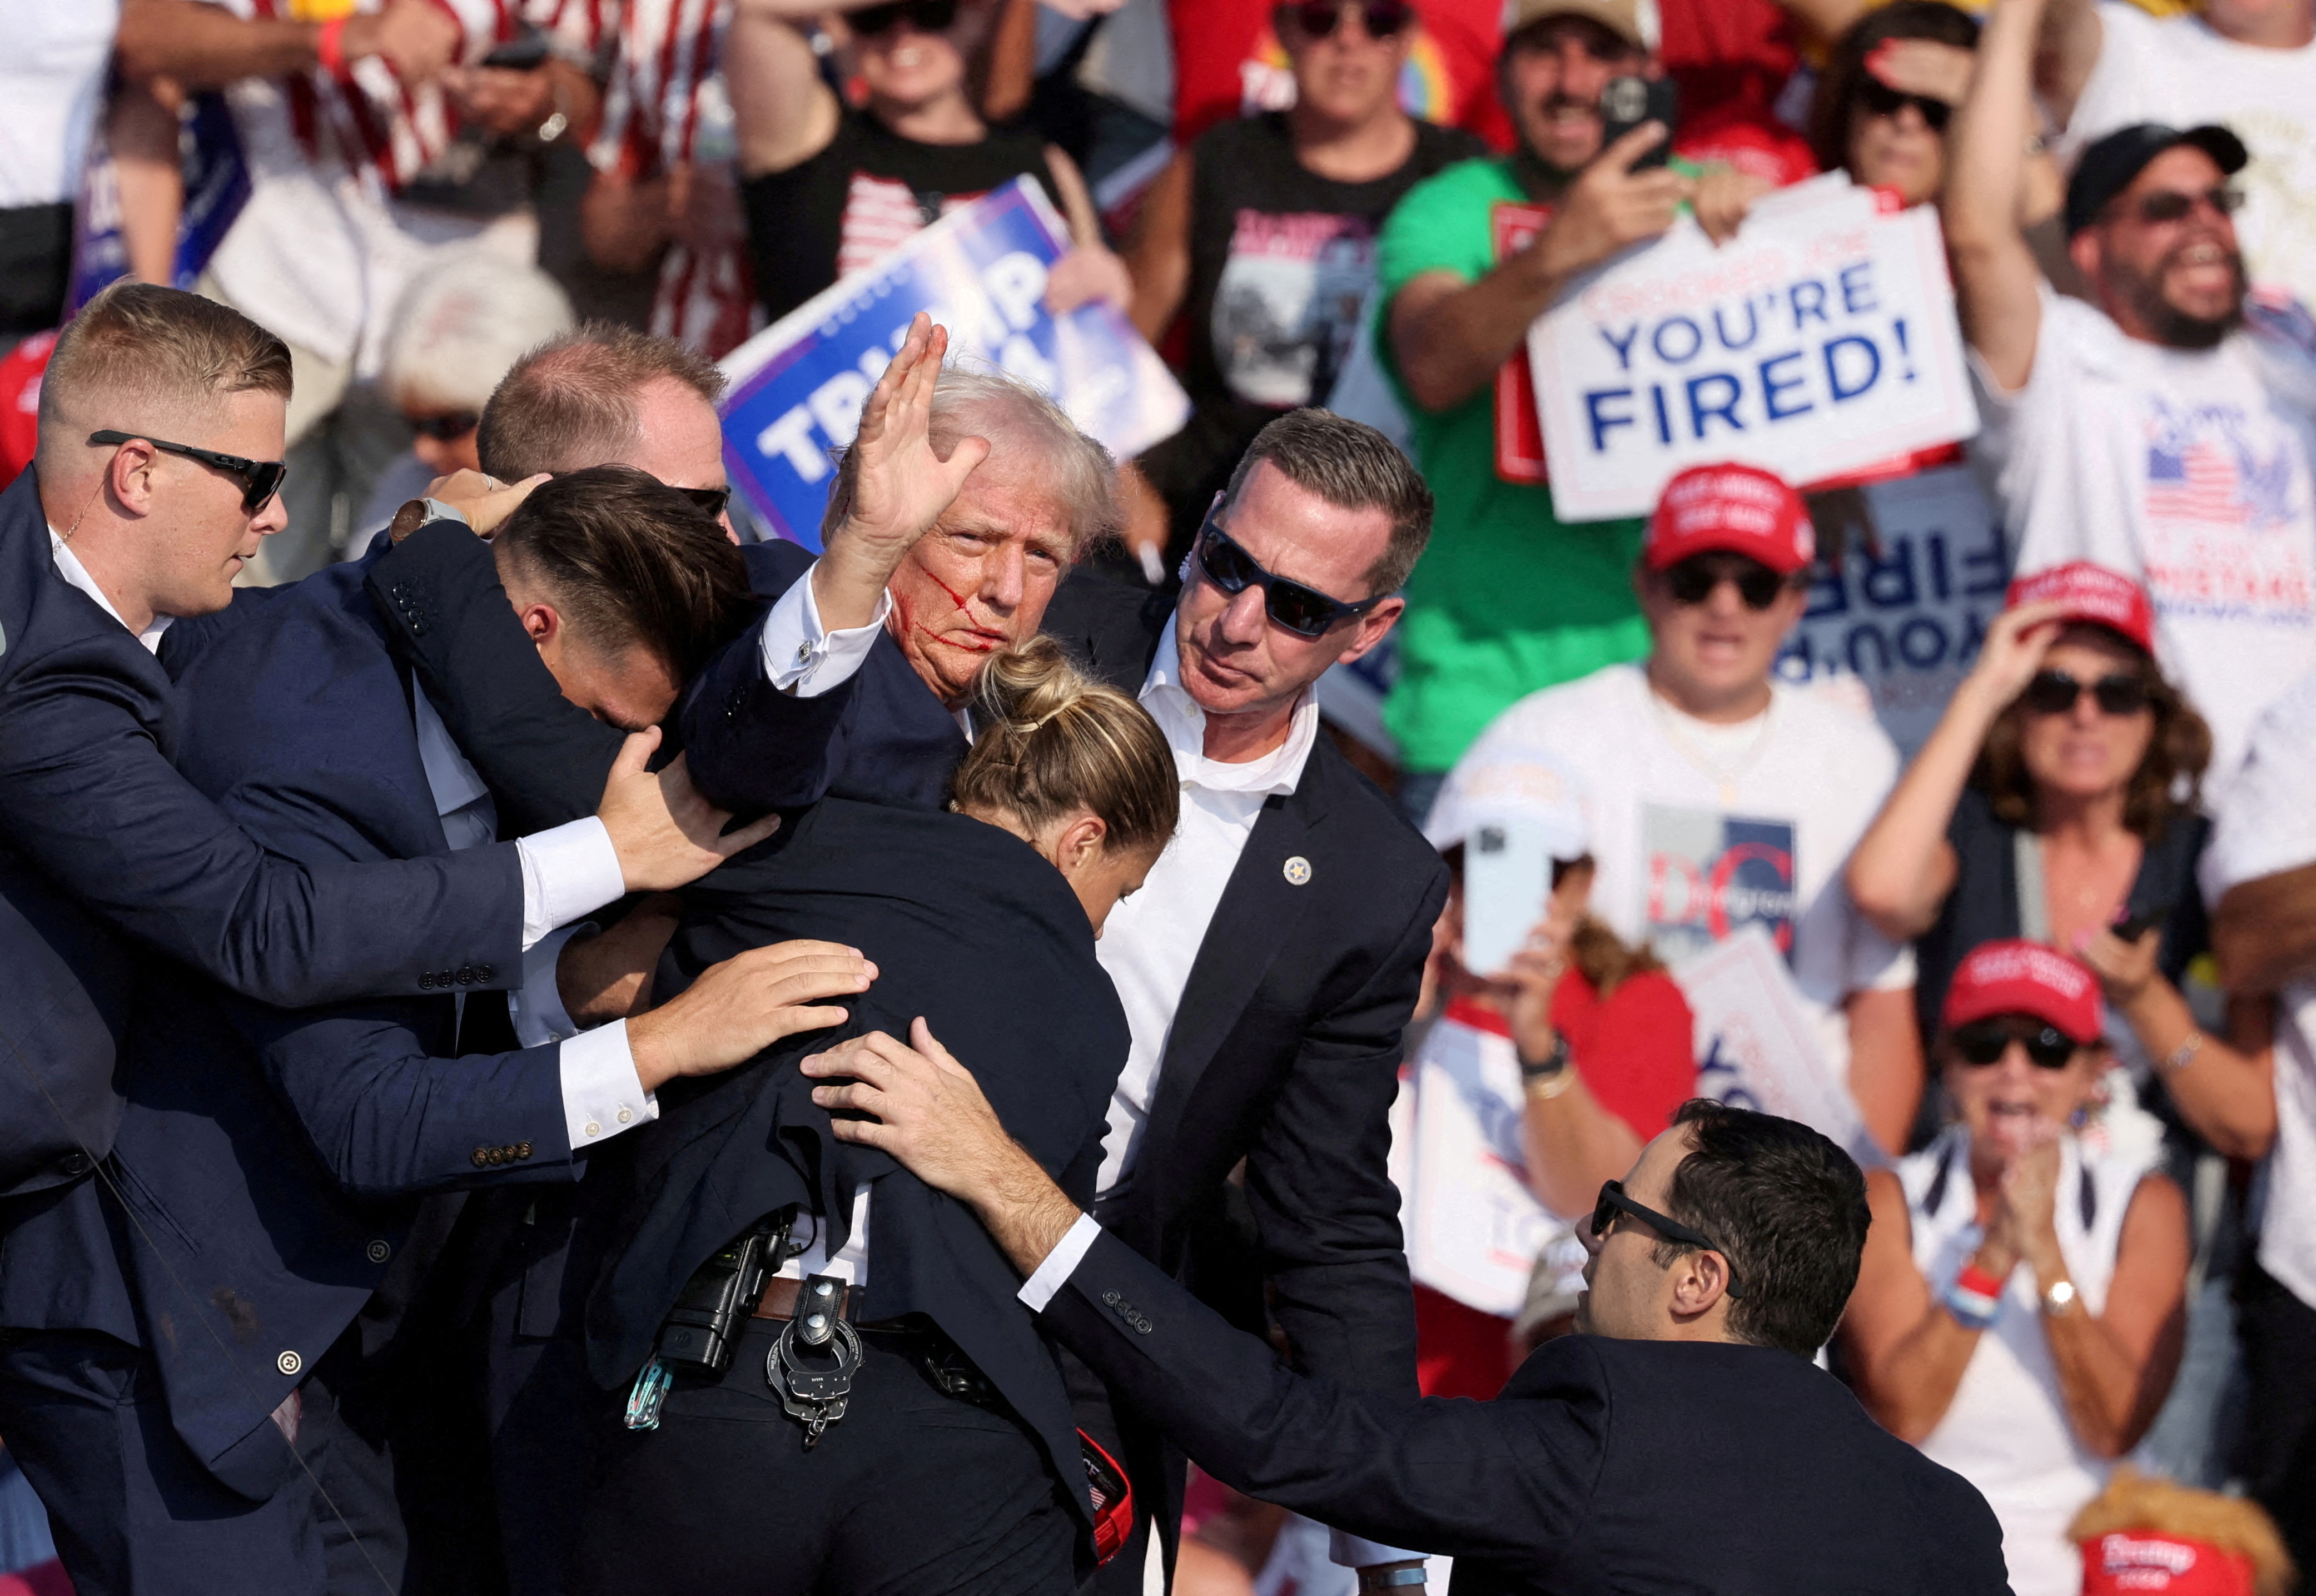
x=739, y=1008
x=484, y=501
x=666, y=833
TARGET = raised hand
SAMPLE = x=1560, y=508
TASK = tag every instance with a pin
x=666, y=835
x=738, y=1008
x=1610, y=206
x=2013, y=651
x=899, y=484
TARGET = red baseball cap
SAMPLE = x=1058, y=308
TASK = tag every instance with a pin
x=2017, y=976
x=2093, y=593
x=2139, y=1560
x=1739, y=509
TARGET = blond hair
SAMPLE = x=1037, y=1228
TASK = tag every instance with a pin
x=1048, y=742
x=147, y=359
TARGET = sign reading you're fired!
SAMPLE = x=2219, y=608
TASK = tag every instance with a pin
x=1818, y=342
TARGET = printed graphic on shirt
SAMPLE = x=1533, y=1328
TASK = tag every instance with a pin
x=880, y=213
x=1287, y=306
x=1709, y=874
x=2222, y=501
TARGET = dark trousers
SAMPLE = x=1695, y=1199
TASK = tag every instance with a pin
x=137, y=1514
x=912, y=1493
x=1158, y=1472
x=2278, y=1332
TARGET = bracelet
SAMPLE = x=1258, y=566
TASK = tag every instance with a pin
x=1547, y=1078
x=330, y=48
x=2184, y=1055
x=1975, y=1297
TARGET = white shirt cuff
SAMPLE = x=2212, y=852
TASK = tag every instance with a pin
x=567, y=871
x=601, y=1094
x=1348, y=1551
x=802, y=659
x=1060, y=1264
x=537, y=1008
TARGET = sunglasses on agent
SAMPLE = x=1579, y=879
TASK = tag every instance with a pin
x=1613, y=1201
x=260, y=479
x=1304, y=611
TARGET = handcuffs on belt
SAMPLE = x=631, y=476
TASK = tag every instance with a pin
x=814, y=1360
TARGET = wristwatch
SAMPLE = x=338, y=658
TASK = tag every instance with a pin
x=2058, y=1298
x=1390, y=1579
x=1546, y=1077
x=416, y=512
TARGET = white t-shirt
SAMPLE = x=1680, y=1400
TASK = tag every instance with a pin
x=2187, y=469
x=2180, y=71
x=2269, y=826
x=52, y=82
x=1680, y=865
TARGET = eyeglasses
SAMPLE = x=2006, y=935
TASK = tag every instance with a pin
x=260, y=479
x=1985, y=1041
x=1692, y=581
x=2055, y=693
x=1880, y=99
x=926, y=16
x=2170, y=205
x=1612, y=1200
x=710, y=500
x=445, y=428
x=1305, y=611
x=1318, y=19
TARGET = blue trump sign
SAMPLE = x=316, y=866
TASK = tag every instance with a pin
x=798, y=385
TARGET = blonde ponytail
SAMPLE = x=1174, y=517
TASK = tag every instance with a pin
x=1048, y=741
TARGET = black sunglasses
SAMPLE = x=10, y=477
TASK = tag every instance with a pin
x=1985, y=1041
x=446, y=428
x=260, y=479
x=926, y=16
x=1304, y=611
x=710, y=500
x=2170, y=205
x=1692, y=581
x=1320, y=18
x=2055, y=693
x=1881, y=99
x=1612, y=1201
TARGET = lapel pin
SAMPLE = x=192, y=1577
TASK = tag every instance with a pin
x=1298, y=870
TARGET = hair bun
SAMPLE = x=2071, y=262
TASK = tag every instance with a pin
x=1025, y=686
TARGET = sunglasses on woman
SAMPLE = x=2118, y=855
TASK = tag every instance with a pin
x=1304, y=611
x=1880, y=99
x=1692, y=581
x=1613, y=1201
x=2055, y=693
x=1320, y=18
x=260, y=479
x=1985, y=1041
x=926, y=16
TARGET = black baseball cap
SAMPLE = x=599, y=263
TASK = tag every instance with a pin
x=2109, y=166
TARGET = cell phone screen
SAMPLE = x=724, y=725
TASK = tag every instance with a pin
x=1507, y=881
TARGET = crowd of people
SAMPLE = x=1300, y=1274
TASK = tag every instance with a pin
x=1249, y=928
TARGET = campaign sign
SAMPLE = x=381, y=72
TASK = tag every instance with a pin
x=1711, y=875
x=217, y=186
x=797, y=386
x=1907, y=619
x=1821, y=341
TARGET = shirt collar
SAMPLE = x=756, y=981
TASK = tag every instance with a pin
x=1184, y=724
x=69, y=567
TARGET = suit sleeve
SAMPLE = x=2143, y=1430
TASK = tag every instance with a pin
x=752, y=747
x=1509, y=1480
x=1318, y=1182
x=544, y=758
x=91, y=801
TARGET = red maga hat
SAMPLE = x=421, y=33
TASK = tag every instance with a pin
x=2132, y=1562
x=2017, y=976
x=2093, y=593
x=1739, y=509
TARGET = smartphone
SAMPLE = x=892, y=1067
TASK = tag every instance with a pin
x=1628, y=102
x=1507, y=882
x=2136, y=926
x=526, y=52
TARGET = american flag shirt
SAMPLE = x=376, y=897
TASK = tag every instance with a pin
x=2190, y=470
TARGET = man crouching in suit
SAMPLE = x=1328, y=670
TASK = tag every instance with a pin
x=1682, y=1442
x=290, y=1178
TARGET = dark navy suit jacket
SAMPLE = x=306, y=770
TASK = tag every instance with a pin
x=100, y=835
x=270, y=1160
x=1647, y=1467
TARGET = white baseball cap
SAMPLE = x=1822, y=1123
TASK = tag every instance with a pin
x=1494, y=783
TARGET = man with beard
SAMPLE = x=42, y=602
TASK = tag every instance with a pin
x=2165, y=429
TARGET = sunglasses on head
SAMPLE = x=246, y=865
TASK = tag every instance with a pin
x=926, y=16
x=1320, y=18
x=2171, y=205
x=260, y=479
x=446, y=428
x=1985, y=1041
x=1881, y=100
x=1613, y=1201
x=1692, y=581
x=2055, y=693
x=1304, y=611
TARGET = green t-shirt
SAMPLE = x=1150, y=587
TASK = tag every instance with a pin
x=1507, y=599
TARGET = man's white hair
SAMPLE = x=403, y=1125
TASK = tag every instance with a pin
x=462, y=322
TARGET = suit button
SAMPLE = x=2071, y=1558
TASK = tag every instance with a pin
x=288, y=1363
x=522, y=1149
x=1110, y=1297
x=377, y=1252
x=483, y=972
x=466, y=975
x=482, y=1156
x=426, y=983
x=74, y=1162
